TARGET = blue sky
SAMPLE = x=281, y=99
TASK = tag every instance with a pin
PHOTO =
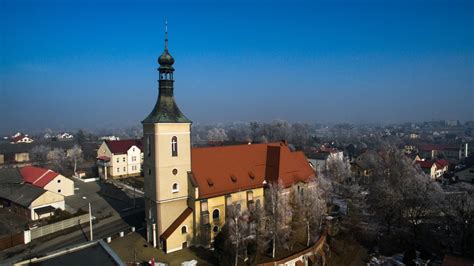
x=92, y=64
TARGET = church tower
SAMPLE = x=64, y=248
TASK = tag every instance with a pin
x=167, y=155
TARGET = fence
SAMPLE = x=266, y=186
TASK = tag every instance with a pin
x=11, y=240
x=304, y=257
x=55, y=227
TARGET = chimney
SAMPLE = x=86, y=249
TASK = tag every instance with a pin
x=272, y=168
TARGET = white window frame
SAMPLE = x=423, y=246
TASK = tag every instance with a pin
x=175, y=190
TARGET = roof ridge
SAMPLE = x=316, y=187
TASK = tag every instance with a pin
x=236, y=145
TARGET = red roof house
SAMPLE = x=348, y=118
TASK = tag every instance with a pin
x=122, y=146
x=48, y=180
x=36, y=176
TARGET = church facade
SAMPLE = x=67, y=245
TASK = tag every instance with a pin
x=188, y=190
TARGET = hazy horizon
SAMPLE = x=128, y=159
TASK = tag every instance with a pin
x=70, y=65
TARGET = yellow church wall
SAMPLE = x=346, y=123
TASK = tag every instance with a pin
x=162, y=171
x=177, y=238
x=165, y=163
x=168, y=212
x=219, y=203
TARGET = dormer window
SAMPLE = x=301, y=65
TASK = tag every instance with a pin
x=174, y=146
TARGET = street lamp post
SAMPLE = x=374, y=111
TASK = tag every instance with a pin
x=90, y=223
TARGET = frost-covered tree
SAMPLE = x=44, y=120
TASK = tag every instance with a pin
x=275, y=221
x=237, y=222
x=308, y=208
x=39, y=154
x=216, y=134
x=75, y=156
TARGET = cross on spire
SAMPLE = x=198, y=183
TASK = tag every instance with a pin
x=166, y=35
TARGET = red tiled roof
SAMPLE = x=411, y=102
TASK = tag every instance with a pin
x=103, y=158
x=122, y=146
x=442, y=163
x=227, y=169
x=18, y=138
x=36, y=176
x=424, y=164
x=327, y=149
x=176, y=223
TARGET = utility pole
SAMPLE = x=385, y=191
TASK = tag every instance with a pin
x=90, y=222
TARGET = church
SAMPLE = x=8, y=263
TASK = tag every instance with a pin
x=188, y=190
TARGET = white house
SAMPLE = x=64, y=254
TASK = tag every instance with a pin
x=64, y=136
x=120, y=158
x=20, y=138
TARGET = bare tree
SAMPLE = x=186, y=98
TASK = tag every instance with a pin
x=385, y=203
x=399, y=192
x=216, y=134
x=254, y=131
x=338, y=170
x=75, y=156
x=307, y=210
x=280, y=130
x=275, y=229
x=458, y=210
x=238, y=226
x=39, y=154
x=57, y=157
x=300, y=133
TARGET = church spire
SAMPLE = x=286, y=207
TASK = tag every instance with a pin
x=166, y=60
x=166, y=110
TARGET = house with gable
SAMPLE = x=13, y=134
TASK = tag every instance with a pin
x=22, y=197
x=48, y=180
x=434, y=168
x=20, y=138
x=120, y=158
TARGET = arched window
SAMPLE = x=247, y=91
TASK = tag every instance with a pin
x=175, y=188
x=184, y=229
x=215, y=229
x=215, y=214
x=174, y=146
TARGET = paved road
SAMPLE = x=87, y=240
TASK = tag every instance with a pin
x=104, y=229
x=105, y=198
